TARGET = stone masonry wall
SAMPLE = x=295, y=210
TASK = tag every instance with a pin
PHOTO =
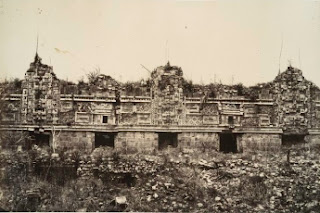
x=75, y=140
x=258, y=141
x=199, y=140
x=136, y=141
x=313, y=139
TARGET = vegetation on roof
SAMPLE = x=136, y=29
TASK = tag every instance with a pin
x=99, y=83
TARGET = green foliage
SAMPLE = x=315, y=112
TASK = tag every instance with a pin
x=17, y=83
x=12, y=86
x=253, y=190
x=13, y=139
x=213, y=90
x=240, y=89
x=187, y=86
x=138, y=88
x=67, y=87
x=252, y=93
x=93, y=76
x=179, y=186
x=168, y=67
x=82, y=84
x=164, y=82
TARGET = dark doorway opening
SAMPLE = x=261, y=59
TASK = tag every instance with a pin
x=41, y=139
x=288, y=140
x=105, y=119
x=230, y=120
x=104, y=139
x=167, y=139
x=228, y=142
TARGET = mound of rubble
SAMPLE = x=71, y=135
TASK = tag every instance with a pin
x=170, y=181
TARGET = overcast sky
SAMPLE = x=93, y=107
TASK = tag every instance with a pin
x=222, y=40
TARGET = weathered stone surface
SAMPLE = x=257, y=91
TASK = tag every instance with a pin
x=75, y=140
x=198, y=140
x=147, y=141
x=264, y=142
x=289, y=104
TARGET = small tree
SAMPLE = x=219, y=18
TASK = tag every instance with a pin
x=93, y=76
x=240, y=89
x=55, y=135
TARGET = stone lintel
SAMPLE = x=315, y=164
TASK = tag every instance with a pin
x=113, y=128
x=314, y=131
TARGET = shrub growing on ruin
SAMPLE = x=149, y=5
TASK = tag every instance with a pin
x=253, y=190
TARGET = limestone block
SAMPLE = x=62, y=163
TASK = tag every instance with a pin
x=84, y=140
x=131, y=143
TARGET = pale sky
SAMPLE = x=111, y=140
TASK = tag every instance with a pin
x=222, y=39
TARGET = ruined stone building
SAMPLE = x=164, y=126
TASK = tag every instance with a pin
x=163, y=114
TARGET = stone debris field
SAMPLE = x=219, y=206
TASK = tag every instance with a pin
x=174, y=180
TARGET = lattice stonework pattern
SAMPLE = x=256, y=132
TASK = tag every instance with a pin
x=84, y=107
x=210, y=109
x=67, y=117
x=194, y=120
x=143, y=107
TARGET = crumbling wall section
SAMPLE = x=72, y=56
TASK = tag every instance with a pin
x=258, y=141
x=316, y=116
x=167, y=95
x=136, y=141
x=199, y=140
x=292, y=96
x=315, y=107
x=40, y=94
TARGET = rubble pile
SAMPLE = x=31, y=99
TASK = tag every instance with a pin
x=180, y=181
x=104, y=162
x=275, y=186
x=256, y=184
x=145, y=165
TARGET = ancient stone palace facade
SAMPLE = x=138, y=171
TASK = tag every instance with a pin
x=164, y=111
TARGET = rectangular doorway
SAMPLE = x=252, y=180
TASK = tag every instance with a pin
x=104, y=139
x=167, y=139
x=41, y=139
x=228, y=142
x=292, y=139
